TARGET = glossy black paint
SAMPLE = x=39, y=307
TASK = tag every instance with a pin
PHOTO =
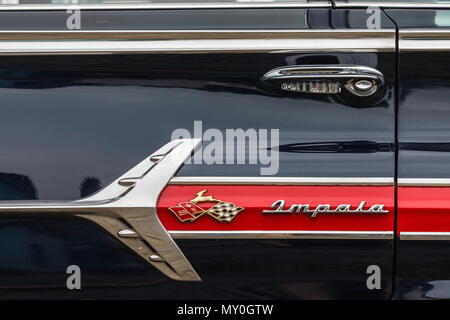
x=424, y=113
x=422, y=267
x=35, y=253
x=65, y=118
x=72, y=124
x=422, y=270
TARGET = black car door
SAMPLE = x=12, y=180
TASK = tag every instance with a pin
x=290, y=194
x=423, y=226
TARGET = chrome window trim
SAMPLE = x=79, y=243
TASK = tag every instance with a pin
x=423, y=182
x=437, y=39
x=386, y=181
x=423, y=235
x=194, y=41
x=393, y=5
x=162, y=6
x=355, y=235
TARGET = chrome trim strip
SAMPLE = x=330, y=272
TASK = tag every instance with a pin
x=282, y=181
x=400, y=4
x=192, y=46
x=282, y=234
x=133, y=207
x=424, y=45
x=424, y=33
x=424, y=40
x=241, y=5
x=162, y=6
x=193, y=41
x=197, y=6
x=422, y=235
x=194, y=34
x=423, y=182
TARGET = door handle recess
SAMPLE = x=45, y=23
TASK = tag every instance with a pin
x=360, y=81
x=127, y=209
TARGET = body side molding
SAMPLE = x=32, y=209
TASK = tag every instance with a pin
x=425, y=236
x=375, y=181
x=277, y=234
x=129, y=205
x=423, y=182
x=417, y=40
x=194, y=41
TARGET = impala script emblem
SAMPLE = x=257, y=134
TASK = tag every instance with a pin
x=189, y=211
x=278, y=208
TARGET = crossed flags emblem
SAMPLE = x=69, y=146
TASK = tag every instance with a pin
x=189, y=211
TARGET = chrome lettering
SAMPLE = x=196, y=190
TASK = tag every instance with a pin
x=278, y=207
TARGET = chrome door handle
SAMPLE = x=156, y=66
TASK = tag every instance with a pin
x=127, y=209
x=360, y=81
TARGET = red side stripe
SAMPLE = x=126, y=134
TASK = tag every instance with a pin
x=254, y=199
x=423, y=209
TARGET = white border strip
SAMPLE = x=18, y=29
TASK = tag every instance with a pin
x=424, y=235
x=387, y=235
x=423, y=182
x=281, y=181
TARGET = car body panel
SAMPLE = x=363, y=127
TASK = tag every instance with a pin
x=75, y=115
x=423, y=135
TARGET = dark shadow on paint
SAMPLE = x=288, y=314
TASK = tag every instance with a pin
x=336, y=147
x=89, y=186
x=16, y=187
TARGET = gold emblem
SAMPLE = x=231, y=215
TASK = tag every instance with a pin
x=190, y=211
